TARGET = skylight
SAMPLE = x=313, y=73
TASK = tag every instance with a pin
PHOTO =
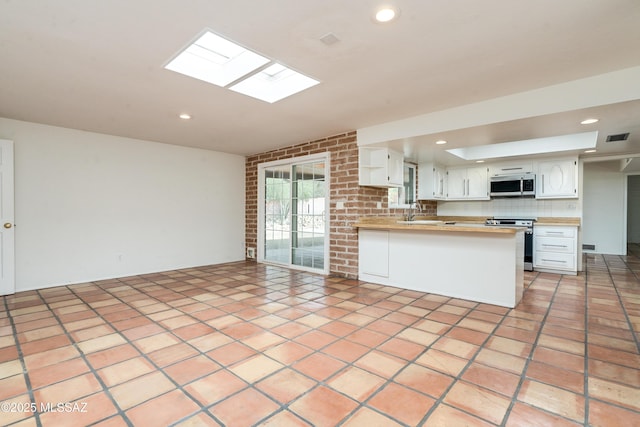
x=274, y=83
x=216, y=60
x=554, y=144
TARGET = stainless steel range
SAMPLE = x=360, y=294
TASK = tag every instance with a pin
x=528, y=235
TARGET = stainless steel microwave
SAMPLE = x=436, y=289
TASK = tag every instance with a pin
x=521, y=185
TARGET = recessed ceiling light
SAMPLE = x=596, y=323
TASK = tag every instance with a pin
x=385, y=14
x=590, y=151
x=588, y=121
x=185, y=116
x=440, y=142
x=479, y=161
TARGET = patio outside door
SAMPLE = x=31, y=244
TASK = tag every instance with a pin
x=293, y=226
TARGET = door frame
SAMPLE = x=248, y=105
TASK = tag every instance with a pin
x=326, y=157
x=7, y=216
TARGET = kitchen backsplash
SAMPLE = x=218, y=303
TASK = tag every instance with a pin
x=508, y=207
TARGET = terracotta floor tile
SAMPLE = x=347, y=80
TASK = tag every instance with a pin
x=424, y=380
x=68, y=390
x=553, y=399
x=156, y=342
x=615, y=373
x=367, y=337
x=234, y=410
x=603, y=414
x=446, y=416
x=12, y=386
x=85, y=411
x=479, y=401
x=112, y=356
x=365, y=417
x=401, y=348
x=169, y=355
x=241, y=330
x=101, y=343
x=49, y=357
x=338, y=328
x=193, y=331
x=492, y=378
x=525, y=415
x=402, y=404
x=191, y=369
x=619, y=394
x=63, y=370
x=443, y=362
x=288, y=352
x=356, y=383
x=381, y=364
x=631, y=360
x=92, y=332
x=215, y=387
x=286, y=385
x=345, y=350
x=199, y=420
x=467, y=335
x=560, y=359
x=504, y=361
x=323, y=406
x=140, y=389
x=231, y=353
x=255, y=368
x=125, y=371
x=316, y=339
x=263, y=340
x=385, y=327
x=45, y=344
x=163, y=410
x=210, y=341
x=552, y=375
x=458, y=348
x=319, y=366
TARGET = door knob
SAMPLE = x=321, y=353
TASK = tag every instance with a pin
x=8, y=225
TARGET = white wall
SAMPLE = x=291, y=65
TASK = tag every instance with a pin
x=604, y=208
x=92, y=206
x=633, y=206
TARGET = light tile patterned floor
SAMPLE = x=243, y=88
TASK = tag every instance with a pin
x=244, y=344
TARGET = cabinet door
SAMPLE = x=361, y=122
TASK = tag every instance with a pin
x=557, y=179
x=478, y=183
x=395, y=168
x=438, y=182
x=373, y=248
x=456, y=183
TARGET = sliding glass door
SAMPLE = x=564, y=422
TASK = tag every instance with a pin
x=293, y=219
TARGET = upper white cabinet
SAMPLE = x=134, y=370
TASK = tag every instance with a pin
x=432, y=181
x=510, y=168
x=468, y=183
x=380, y=167
x=557, y=179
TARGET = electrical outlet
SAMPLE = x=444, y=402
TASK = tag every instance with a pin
x=251, y=253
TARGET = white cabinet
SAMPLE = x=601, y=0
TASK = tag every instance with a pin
x=373, y=249
x=557, y=179
x=380, y=167
x=431, y=183
x=510, y=168
x=555, y=249
x=468, y=183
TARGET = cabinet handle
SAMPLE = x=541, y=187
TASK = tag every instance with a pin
x=554, y=260
x=554, y=246
x=554, y=232
x=542, y=183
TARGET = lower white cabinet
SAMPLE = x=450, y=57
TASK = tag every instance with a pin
x=374, y=252
x=555, y=249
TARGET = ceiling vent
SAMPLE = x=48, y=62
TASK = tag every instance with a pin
x=617, y=137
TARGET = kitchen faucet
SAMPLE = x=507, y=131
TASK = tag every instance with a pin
x=412, y=214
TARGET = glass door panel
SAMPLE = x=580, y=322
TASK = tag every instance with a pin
x=294, y=222
x=277, y=221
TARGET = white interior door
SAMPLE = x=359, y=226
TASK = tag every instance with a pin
x=7, y=231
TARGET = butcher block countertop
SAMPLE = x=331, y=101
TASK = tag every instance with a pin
x=454, y=224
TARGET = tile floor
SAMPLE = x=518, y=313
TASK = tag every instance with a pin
x=243, y=344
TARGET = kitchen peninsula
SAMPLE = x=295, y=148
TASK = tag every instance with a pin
x=465, y=260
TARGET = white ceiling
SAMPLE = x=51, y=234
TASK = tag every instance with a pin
x=98, y=65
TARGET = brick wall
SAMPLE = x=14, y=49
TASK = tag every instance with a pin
x=355, y=201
